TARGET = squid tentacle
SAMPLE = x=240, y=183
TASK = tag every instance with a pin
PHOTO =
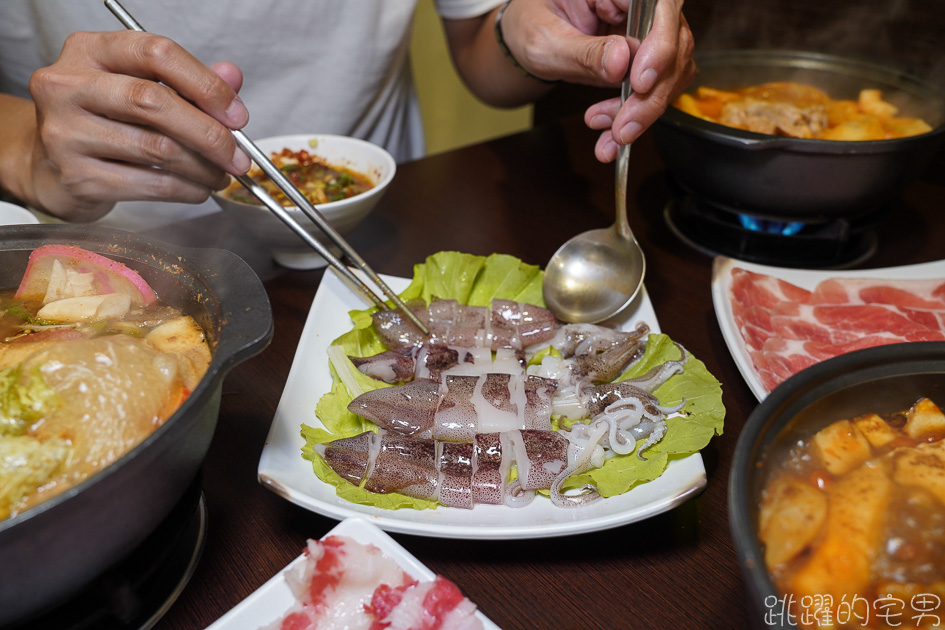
x=596, y=354
x=517, y=496
x=661, y=373
x=583, y=453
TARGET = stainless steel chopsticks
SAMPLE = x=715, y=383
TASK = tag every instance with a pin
x=300, y=200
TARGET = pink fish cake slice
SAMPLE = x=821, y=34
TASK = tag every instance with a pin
x=109, y=276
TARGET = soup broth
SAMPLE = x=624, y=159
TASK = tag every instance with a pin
x=91, y=363
x=319, y=180
x=800, y=110
x=852, y=520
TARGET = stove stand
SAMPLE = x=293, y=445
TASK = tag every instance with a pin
x=138, y=591
x=831, y=244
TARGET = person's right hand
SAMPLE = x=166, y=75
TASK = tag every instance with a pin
x=584, y=41
x=662, y=68
x=131, y=116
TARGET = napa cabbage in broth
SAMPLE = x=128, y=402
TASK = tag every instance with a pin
x=91, y=363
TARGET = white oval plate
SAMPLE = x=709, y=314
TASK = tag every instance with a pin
x=805, y=278
x=282, y=469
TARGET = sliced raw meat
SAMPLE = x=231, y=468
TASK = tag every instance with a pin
x=780, y=359
x=436, y=605
x=843, y=323
x=754, y=324
x=787, y=328
x=918, y=294
x=346, y=584
x=755, y=289
x=336, y=581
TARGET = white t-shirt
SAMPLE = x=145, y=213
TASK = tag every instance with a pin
x=309, y=66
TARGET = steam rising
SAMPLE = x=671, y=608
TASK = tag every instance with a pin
x=898, y=33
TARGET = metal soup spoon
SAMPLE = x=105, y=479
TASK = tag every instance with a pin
x=598, y=273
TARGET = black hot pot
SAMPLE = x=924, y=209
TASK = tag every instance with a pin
x=51, y=551
x=883, y=380
x=794, y=179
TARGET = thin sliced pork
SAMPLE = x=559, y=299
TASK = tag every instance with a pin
x=915, y=294
x=787, y=328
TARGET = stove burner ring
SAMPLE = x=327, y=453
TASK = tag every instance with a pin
x=835, y=244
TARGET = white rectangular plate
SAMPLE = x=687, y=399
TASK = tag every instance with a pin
x=804, y=278
x=273, y=599
x=282, y=469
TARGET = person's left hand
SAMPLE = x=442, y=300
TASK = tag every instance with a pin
x=584, y=41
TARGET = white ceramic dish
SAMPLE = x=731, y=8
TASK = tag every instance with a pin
x=282, y=469
x=12, y=214
x=288, y=249
x=273, y=599
x=804, y=278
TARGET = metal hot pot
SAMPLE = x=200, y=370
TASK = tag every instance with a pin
x=48, y=553
x=793, y=179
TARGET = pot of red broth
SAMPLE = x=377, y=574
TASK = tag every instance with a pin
x=172, y=322
x=837, y=493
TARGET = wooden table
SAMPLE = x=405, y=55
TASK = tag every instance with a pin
x=522, y=195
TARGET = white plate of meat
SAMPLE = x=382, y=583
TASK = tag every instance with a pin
x=275, y=600
x=283, y=470
x=777, y=321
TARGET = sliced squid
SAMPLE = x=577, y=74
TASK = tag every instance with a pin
x=507, y=324
x=456, y=474
x=478, y=471
x=460, y=406
x=463, y=405
x=434, y=360
x=469, y=421
x=588, y=353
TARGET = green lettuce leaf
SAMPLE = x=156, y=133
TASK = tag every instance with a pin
x=476, y=280
x=703, y=416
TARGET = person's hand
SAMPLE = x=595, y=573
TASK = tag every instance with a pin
x=584, y=41
x=107, y=130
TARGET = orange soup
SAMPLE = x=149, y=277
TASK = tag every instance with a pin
x=852, y=521
x=799, y=110
x=320, y=181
